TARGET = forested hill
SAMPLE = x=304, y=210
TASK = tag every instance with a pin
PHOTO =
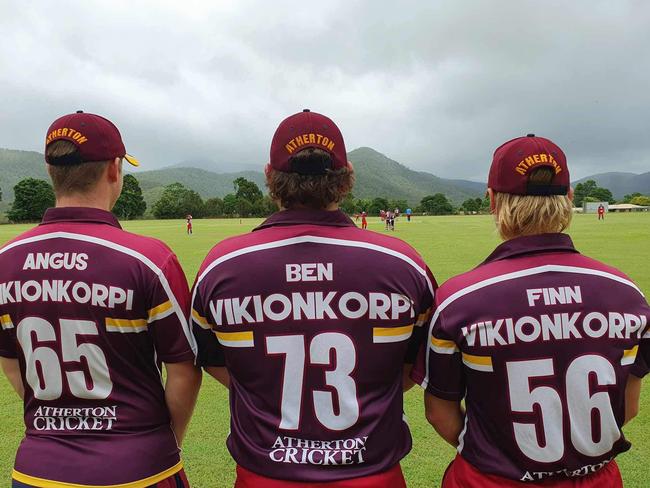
x=18, y=165
x=380, y=176
x=621, y=184
x=377, y=176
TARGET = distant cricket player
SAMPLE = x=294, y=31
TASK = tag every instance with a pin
x=601, y=212
x=390, y=220
x=408, y=214
x=364, y=220
x=545, y=345
x=88, y=315
x=189, y=224
x=317, y=321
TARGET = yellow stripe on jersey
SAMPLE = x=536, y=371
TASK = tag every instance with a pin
x=126, y=325
x=202, y=321
x=423, y=317
x=629, y=356
x=442, y=346
x=160, y=312
x=391, y=334
x=236, y=339
x=144, y=483
x=478, y=363
x=5, y=322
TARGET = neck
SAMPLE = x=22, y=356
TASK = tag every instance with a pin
x=330, y=208
x=88, y=201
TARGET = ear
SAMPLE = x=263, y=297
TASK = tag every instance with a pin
x=571, y=193
x=350, y=166
x=490, y=193
x=114, y=170
x=267, y=170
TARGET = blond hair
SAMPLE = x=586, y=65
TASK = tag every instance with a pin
x=525, y=215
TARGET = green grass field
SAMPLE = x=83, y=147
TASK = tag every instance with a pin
x=450, y=245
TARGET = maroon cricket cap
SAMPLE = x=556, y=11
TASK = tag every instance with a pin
x=514, y=160
x=303, y=130
x=96, y=138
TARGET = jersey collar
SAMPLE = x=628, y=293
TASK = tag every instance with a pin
x=334, y=218
x=79, y=214
x=527, y=245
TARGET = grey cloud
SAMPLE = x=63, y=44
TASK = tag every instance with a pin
x=436, y=85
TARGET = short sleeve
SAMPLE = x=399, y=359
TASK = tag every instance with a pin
x=210, y=352
x=167, y=315
x=641, y=366
x=8, y=347
x=424, y=311
x=439, y=368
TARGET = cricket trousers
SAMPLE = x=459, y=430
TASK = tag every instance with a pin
x=461, y=474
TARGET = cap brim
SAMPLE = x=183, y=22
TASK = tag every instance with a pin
x=132, y=160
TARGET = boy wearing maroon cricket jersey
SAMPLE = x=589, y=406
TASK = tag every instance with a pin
x=546, y=346
x=314, y=335
x=88, y=313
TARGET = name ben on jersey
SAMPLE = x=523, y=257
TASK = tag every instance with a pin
x=557, y=326
x=63, y=291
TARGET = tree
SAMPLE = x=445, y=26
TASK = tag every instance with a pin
x=590, y=189
x=603, y=195
x=214, y=207
x=472, y=205
x=264, y=207
x=583, y=190
x=628, y=198
x=349, y=204
x=436, y=205
x=642, y=200
x=230, y=205
x=401, y=204
x=377, y=204
x=31, y=198
x=177, y=201
x=363, y=204
x=248, y=190
x=131, y=204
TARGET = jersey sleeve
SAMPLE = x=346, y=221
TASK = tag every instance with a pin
x=8, y=347
x=439, y=367
x=641, y=366
x=423, y=317
x=167, y=315
x=210, y=352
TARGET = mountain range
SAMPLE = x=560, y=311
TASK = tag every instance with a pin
x=376, y=176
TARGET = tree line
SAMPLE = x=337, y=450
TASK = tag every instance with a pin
x=34, y=196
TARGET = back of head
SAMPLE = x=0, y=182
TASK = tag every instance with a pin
x=71, y=179
x=530, y=180
x=78, y=148
x=318, y=191
x=308, y=164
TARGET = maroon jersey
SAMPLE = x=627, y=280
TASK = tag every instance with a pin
x=90, y=311
x=540, y=341
x=315, y=336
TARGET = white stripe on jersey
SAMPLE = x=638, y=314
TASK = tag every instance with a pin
x=125, y=250
x=311, y=239
x=548, y=268
x=461, y=437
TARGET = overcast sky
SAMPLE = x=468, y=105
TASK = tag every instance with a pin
x=435, y=85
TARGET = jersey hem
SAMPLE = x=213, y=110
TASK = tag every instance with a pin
x=445, y=395
x=143, y=483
